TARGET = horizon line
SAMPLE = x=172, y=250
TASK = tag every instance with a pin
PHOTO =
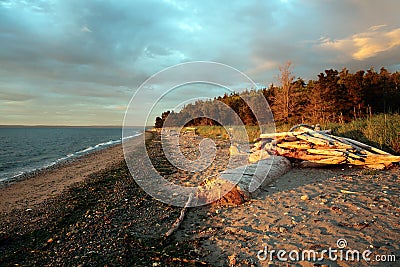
x=66, y=126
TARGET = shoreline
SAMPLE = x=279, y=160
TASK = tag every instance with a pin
x=42, y=170
x=34, y=187
x=100, y=220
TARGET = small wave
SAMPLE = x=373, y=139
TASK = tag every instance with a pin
x=111, y=142
x=76, y=154
x=84, y=150
x=18, y=174
x=131, y=136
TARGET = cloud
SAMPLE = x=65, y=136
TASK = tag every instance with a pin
x=377, y=39
x=263, y=66
x=85, y=29
x=87, y=55
x=17, y=97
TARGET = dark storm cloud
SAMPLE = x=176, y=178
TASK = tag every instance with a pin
x=76, y=40
x=93, y=54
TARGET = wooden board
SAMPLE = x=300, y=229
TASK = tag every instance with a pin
x=284, y=134
x=313, y=140
x=364, y=146
x=327, y=152
x=333, y=141
x=331, y=160
x=277, y=135
x=295, y=145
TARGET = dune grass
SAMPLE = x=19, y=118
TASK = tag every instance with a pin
x=219, y=132
x=381, y=131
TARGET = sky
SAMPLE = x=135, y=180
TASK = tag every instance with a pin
x=80, y=62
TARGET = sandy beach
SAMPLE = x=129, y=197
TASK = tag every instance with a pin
x=90, y=212
x=282, y=218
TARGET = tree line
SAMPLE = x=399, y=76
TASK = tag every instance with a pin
x=335, y=96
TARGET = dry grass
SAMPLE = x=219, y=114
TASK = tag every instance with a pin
x=381, y=131
x=218, y=132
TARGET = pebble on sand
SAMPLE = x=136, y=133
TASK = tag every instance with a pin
x=305, y=197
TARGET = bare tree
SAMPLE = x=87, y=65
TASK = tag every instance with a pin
x=283, y=102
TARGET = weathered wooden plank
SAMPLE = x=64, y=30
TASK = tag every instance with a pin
x=354, y=147
x=303, y=155
x=331, y=140
x=284, y=134
x=354, y=156
x=290, y=138
x=277, y=135
x=306, y=130
x=365, y=146
x=329, y=160
x=327, y=152
x=294, y=145
x=354, y=161
x=376, y=159
x=380, y=166
x=332, y=160
x=314, y=140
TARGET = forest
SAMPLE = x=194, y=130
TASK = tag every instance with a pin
x=335, y=96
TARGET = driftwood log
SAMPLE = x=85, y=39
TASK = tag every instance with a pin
x=179, y=220
x=253, y=178
x=319, y=148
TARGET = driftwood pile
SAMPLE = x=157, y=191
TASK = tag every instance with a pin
x=318, y=148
